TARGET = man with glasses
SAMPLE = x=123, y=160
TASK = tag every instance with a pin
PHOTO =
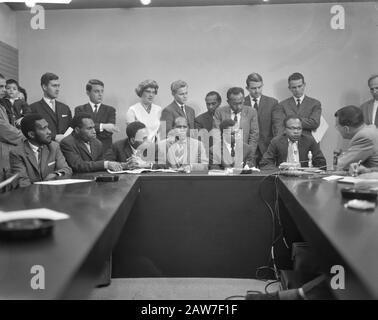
x=179, y=151
x=293, y=147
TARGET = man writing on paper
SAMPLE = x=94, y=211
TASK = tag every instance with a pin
x=293, y=147
x=363, y=145
x=38, y=158
x=130, y=151
x=83, y=151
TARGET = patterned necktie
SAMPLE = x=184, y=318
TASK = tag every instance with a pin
x=256, y=106
x=179, y=153
x=298, y=103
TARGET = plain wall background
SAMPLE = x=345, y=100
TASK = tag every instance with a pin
x=8, y=32
x=212, y=48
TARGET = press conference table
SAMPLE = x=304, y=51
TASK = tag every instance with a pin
x=183, y=225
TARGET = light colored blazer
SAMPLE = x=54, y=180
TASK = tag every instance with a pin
x=24, y=162
x=367, y=111
x=248, y=122
x=363, y=146
x=10, y=137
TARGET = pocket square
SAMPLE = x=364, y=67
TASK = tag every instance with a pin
x=51, y=163
x=64, y=115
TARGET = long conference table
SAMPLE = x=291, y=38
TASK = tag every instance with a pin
x=185, y=225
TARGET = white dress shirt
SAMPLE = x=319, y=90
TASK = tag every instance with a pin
x=94, y=109
x=35, y=150
x=292, y=152
x=300, y=99
x=50, y=103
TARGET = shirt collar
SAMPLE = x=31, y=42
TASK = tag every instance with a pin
x=252, y=102
x=300, y=98
x=48, y=101
x=180, y=105
x=93, y=105
x=33, y=147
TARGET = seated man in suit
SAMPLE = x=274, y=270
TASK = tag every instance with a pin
x=205, y=120
x=130, y=151
x=38, y=158
x=16, y=108
x=103, y=116
x=369, y=108
x=231, y=151
x=181, y=152
x=264, y=106
x=57, y=114
x=178, y=108
x=293, y=147
x=245, y=117
x=307, y=109
x=363, y=144
x=83, y=151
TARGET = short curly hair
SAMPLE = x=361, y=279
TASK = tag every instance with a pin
x=146, y=84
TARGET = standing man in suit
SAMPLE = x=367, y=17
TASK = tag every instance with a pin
x=363, y=144
x=205, y=120
x=177, y=108
x=57, y=114
x=292, y=146
x=38, y=158
x=307, y=109
x=231, y=151
x=369, y=108
x=245, y=117
x=83, y=151
x=103, y=116
x=264, y=106
x=10, y=137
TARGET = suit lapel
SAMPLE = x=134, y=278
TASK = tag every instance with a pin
x=293, y=106
x=283, y=148
x=100, y=112
x=370, y=112
x=30, y=156
x=83, y=147
x=178, y=109
x=44, y=158
x=49, y=111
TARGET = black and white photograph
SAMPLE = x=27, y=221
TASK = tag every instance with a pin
x=186, y=155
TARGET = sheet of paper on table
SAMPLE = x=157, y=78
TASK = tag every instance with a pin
x=40, y=213
x=142, y=170
x=62, y=182
x=333, y=178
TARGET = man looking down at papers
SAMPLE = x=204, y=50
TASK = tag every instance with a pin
x=38, y=158
x=363, y=145
x=83, y=151
x=292, y=147
x=131, y=151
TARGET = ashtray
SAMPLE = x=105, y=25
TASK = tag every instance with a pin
x=23, y=229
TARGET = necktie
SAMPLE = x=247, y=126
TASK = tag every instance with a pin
x=236, y=117
x=39, y=160
x=183, y=109
x=179, y=153
x=298, y=103
x=96, y=108
x=52, y=102
x=232, y=149
x=256, y=106
x=376, y=119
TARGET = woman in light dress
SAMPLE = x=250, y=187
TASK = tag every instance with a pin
x=145, y=111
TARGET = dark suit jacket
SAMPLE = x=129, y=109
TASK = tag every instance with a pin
x=265, y=115
x=120, y=151
x=309, y=112
x=15, y=111
x=23, y=162
x=277, y=152
x=78, y=156
x=105, y=114
x=173, y=111
x=220, y=157
x=367, y=111
x=204, y=121
x=58, y=122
